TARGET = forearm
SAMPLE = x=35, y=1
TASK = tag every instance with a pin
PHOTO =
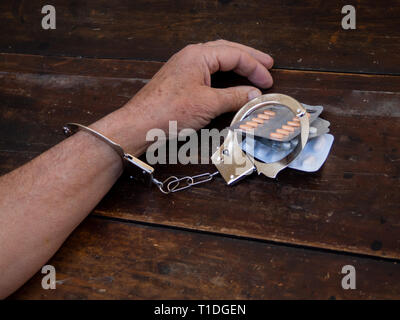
x=43, y=201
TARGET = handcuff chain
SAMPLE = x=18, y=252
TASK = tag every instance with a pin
x=171, y=184
x=175, y=184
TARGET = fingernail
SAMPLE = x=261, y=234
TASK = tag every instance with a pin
x=271, y=63
x=254, y=94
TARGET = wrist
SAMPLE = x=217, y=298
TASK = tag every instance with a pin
x=126, y=128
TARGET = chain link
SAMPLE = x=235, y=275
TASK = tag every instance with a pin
x=175, y=184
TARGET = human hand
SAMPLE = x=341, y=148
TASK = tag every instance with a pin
x=181, y=91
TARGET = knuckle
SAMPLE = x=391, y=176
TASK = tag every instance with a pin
x=190, y=48
x=189, y=52
x=237, y=96
x=218, y=42
x=221, y=41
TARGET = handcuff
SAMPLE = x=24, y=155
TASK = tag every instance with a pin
x=230, y=160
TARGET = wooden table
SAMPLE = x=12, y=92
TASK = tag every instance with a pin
x=261, y=239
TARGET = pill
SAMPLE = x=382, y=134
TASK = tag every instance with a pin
x=245, y=127
x=276, y=135
x=293, y=124
x=281, y=131
x=269, y=113
x=288, y=128
x=252, y=123
x=313, y=130
x=258, y=120
x=263, y=116
x=286, y=145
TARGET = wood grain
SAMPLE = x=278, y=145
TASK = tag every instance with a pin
x=298, y=34
x=103, y=259
x=351, y=205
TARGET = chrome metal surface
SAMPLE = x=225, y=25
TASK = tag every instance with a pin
x=237, y=165
x=136, y=168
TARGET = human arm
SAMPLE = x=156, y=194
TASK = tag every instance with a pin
x=43, y=201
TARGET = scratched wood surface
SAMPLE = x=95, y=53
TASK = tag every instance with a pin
x=106, y=259
x=351, y=205
x=299, y=34
x=262, y=239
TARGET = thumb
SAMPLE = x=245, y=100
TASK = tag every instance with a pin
x=233, y=98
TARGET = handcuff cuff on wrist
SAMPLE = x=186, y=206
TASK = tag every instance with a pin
x=231, y=161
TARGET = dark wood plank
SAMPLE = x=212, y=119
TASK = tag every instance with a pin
x=110, y=68
x=352, y=204
x=299, y=34
x=113, y=260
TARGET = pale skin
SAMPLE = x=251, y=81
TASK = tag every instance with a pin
x=43, y=201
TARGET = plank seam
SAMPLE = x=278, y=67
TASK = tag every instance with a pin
x=283, y=68
x=238, y=237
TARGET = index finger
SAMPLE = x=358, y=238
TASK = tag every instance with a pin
x=262, y=57
x=226, y=58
